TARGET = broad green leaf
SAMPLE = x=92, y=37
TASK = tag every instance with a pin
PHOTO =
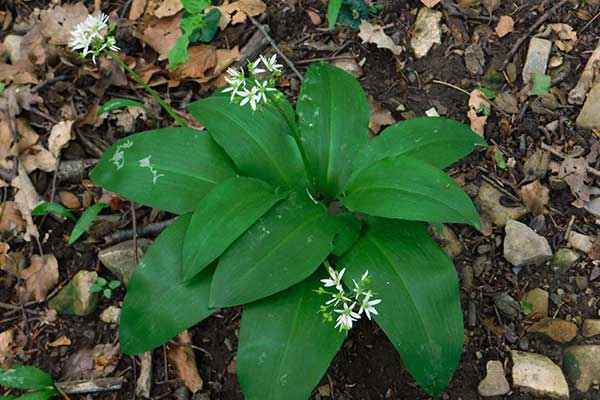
x=436, y=140
x=222, y=216
x=9, y=397
x=52, y=208
x=420, y=308
x=333, y=117
x=85, y=221
x=347, y=234
x=159, y=303
x=333, y=9
x=195, y=6
x=117, y=104
x=43, y=394
x=406, y=188
x=282, y=248
x=114, y=284
x=178, y=55
x=25, y=377
x=171, y=168
x=540, y=84
x=285, y=345
x=258, y=142
x=208, y=31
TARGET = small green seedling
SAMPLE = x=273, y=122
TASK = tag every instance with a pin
x=349, y=12
x=37, y=384
x=81, y=224
x=540, y=84
x=104, y=286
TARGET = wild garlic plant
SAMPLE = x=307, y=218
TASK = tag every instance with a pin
x=297, y=215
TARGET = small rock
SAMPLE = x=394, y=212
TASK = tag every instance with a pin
x=582, y=365
x=489, y=199
x=581, y=282
x=580, y=242
x=427, y=31
x=324, y=390
x=522, y=246
x=591, y=327
x=564, y=259
x=111, y=315
x=507, y=305
x=495, y=383
x=450, y=243
x=589, y=117
x=538, y=299
x=558, y=330
x=595, y=273
x=537, y=58
x=507, y=102
x=475, y=59
x=349, y=65
x=537, y=374
x=76, y=298
x=120, y=259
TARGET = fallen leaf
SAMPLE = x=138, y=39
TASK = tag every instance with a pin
x=60, y=135
x=574, y=172
x=168, y=8
x=137, y=9
x=37, y=157
x=202, y=58
x=505, y=26
x=238, y=11
x=314, y=18
x=161, y=34
x=7, y=339
x=58, y=22
x=11, y=220
x=478, y=102
x=16, y=98
x=69, y=200
x=26, y=199
x=97, y=362
x=61, y=341
x=536, y=166
x=380, y=116
x=430, y=3
x=21, y=74
x=182, y=359
x=40, y=278
x=370, y=33
x=567, y=36
x=535, y=196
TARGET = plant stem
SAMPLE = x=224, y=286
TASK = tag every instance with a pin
x=151, y=91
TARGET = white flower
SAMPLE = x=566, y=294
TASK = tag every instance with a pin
x=89, y=37
x=263, y=88
x=347, y=317
x=367, y=306
x=271, y=63
x=336, y=279
x=336, y=298
x=236, y=85
x=251, y=96
x=253, y=67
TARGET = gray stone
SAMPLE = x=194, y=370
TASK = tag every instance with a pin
x=589, y=117
x=580, y=242
x=507, y=305
x=475, y=59
x=559, y=330
x=76, y=298
x=538, y=375
x=427, y=31
x=495, y=383
x=591, y=327
x=538, y=299
x=489, y=198
x=582, y=365
x=522, y=246
x=111, y=315
x=120, y=258
x=564, y=259
x=537, y=58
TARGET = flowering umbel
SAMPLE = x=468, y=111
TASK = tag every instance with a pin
x=93, y=36
x=344, y=303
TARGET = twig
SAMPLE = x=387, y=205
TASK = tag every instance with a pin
x=578, y=94
x=591, y=21
x=558, y=154
x=91, y=386
x=532, y=28
x=88, y=145
x=42, y=85
x=311, y=60
x=150, y=229
x=276, y=48
x=143, y=384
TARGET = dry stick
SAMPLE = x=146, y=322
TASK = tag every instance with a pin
x=91, y=386
x=532, y=28
x=150, y=229
x=578, y=94
x=558, y=154
x=276, y=48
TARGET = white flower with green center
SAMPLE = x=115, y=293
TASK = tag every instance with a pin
x=263, y=88
x=253, y=67
x=91, y=37
x=335, y=279
x=347, y=317
x=251, y=96
x=367, y=306
x=271, y=64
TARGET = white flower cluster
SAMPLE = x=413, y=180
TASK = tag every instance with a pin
x=344, y=304
x=92, y=37
x=253, y=89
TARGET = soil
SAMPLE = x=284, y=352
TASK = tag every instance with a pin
x=367, y=367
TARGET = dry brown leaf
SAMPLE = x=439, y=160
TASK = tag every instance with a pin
x=137, y=9
x=182, y=359
x=536, y=166
x=168, y=8
x=430, y=3
x=7, y=339
x=37, y=157
x=370, y=33
x=202, y=59
x=21, y=73
x=238, y=11
x=60, y=135
x=161, y=34
x=566, y=34
x=26, y=199
x=58, y=22
x=505, y=26
x=16, y=98
x=477, y=100
x=11, y=220
x=574, y=172
x=61, y=341
x=40, y=278
x=535, y=196
x=69, y=200
x=225, y=57
x=380, y=116
x=93, y=363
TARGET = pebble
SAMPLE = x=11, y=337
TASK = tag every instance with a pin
x=120, y=258
x=595, y=273
x=581, y=282
x=582, y=365
x=537, y=374
x=507, y=305
x=538, y=299
x=522, y=246
x=76, y=298
x=111, y=315
x=450, y=243
x=580, y=242
x=589, y=117
x=349, y=65
x=558, y=330
x=489, y=197
x=537, y=58
x=475, y=59
x=591, y=327
x=427, y=31
x=564, y=259
x=495, y=383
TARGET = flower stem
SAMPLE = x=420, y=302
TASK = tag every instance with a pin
x=151, y=91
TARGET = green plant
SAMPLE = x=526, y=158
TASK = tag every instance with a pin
x=253, y=193
x=349, y=12
x=104, y=286
x=81, y=224
x=38, y=384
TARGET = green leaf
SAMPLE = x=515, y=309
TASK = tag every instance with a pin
x=258, y=142
x=159, y=303
x=195, y=6
x=222, y=216
x=490, y=94
x=9, y=397
x=406, y=188
x=348, y=233
x=114, y=284
x=353, y=12
x=282, y=248
x=333, y=9
x=2, y=87
x=107, y=293
x=117, y=104
x=189, y=161
x=85, y=221
x=436, y=140
x=420, y=308
x=101, y=281
x=44, y=394
x=540, y=84
x=95, y=288
x=178, y=55
x=25, y=377
x=285, y=345
x=208, y=31
x=333, y=116
x=52, y=208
